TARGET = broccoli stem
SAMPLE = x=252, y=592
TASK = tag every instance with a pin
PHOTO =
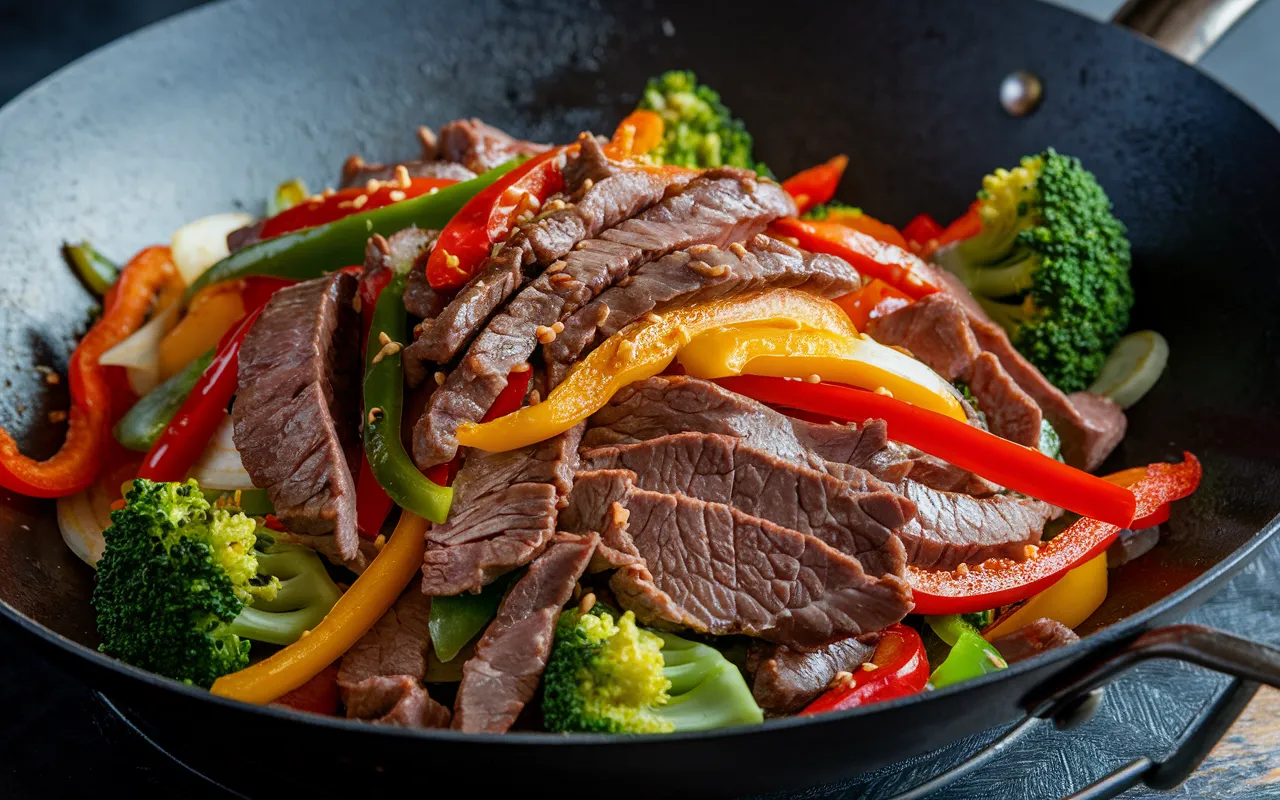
x=276, y=627
x=719, y=700
x=1006, y=315
x=305, y=596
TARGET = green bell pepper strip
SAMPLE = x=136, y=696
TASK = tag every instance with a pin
x=313, y=252
x=457, y=620
x=141, y=425
x=384, y=407
x=971, y=656
x=97, y=271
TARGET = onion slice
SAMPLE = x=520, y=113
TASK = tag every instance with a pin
x=83, y=517
x=219, y=466
x=140, y=353
x=200, y=244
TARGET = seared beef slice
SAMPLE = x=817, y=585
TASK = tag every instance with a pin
x=295, y=410
x=504, y=674
x=786, y=679
x=717, y=207
x=714, y=569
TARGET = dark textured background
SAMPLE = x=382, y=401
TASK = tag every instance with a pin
x=56, y=740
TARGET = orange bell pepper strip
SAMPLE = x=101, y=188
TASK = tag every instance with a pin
x=1001, y=582
x=895, y=266
x=875, y=300
x=488, y=217
x=74, y=467
x=637, y=134
x=212, y=312
x=860, y=221
x=815, y=185
x=358, y=610
x=1021, y=469
x=328, y=208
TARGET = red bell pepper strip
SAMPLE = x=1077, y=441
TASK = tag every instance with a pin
x=191, y=428
x=965, y=226
x=875, y=300
x=75, y=466
x=320, y=211
x=901, y=669
x=1000, y=582
x=922, y=232
x=872, y=257
x=373, y=504
x=1012, y=465
x=257, y=290
x=318, y=695
x=1127, y=478
x=815, y=185
x=488, y=217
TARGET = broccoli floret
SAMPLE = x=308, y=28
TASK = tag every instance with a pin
x=980, y=619
x=823, y=210
x=177, y=579
x=607, y=677
x=699, y=130
x=1050, y=443
x=1050, y=265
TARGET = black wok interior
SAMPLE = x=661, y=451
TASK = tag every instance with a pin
x=208, y=112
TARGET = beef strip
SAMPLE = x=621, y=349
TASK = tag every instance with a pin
x=1090, y=426
x=1034, y=639
x=937, y=331
x=480, y=147
x=295, y=422
x=714, y=569
x=380, y=676
x=786, y=679
x=717, y=207
x=504, y=513
x=727, y=470
x=504, y=674
x=612, y=196
x=355, y=172
x=421, y=301
x=952, y=528
x=695, y=275
x=397, y=700
x=896, y=462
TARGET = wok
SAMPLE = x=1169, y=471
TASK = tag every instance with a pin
x=211, y=109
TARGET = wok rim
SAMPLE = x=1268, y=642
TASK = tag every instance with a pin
x=1127, y=628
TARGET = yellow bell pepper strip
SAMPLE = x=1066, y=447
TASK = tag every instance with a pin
x=350, y=618
x=1071, y=600
x=211, y=314
x=641, y=350
x=833, y=357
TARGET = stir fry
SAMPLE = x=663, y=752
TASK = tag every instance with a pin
x=620, y=431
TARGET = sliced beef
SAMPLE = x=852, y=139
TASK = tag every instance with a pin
x=504, y=513
x=952, y=528
x=399, y=252
x=937, y=331
x=896, y=462
x=714, y=569
x=355, y=172
x=420, y=299
x=241, y=238
x=695, y=275
x=727, y=470
x=502, y=677
x=395, y=645
x=480, y=147
x=295, y=419
x=397, y=700
x=786, y=679
x=1090, y=427
x=1034, y=639
x=717, y=207
x=611, y=197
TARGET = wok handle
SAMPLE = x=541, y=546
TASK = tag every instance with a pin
x=1071, y=703
x=1183, y=28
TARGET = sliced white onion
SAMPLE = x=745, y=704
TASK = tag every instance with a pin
x=83, y=517
x=219, y=466
x=201, y=244
x=140, y=353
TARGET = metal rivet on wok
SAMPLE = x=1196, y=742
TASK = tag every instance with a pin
x=1020, y=93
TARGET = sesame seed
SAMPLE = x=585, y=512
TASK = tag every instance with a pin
x=813, y=378
x=383, y=338
x=380, y=242
x=522, y=367
x=621, y=515
x=402, y=176
x=627, y=281
x=738, y=250
x=557, y=267
x=347, y=204
x=374, y=415
x=962, y=570
x=52, y=378
x=868, y=666
x=360, y=201
x=558, y=328
x=388, y=349
x=396, y=195
x=588, y=601
x=434, y=189
x=561, y=279
x=372, y=185
x=535, y=397
x=57, y=416
x=626, y=349
x=997, y=660
x=652, y=317
x=702, y=249
x=912, y=280
x=450, y=260
x=880, y=390
x=439, y=378
x=1030, y=551
x=380, y=542
x=545, y=335
x=791, y=240
x=587, y=184
x=842, y=679
x=580, y=245
x=328, y=192
x=357, y=303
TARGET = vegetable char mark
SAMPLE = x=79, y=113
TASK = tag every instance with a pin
x=717, y=207
x=613, y=195
x=695, y=275
x=295, y=425
x=511, y=655
x=504, y=514
x=716, y=570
